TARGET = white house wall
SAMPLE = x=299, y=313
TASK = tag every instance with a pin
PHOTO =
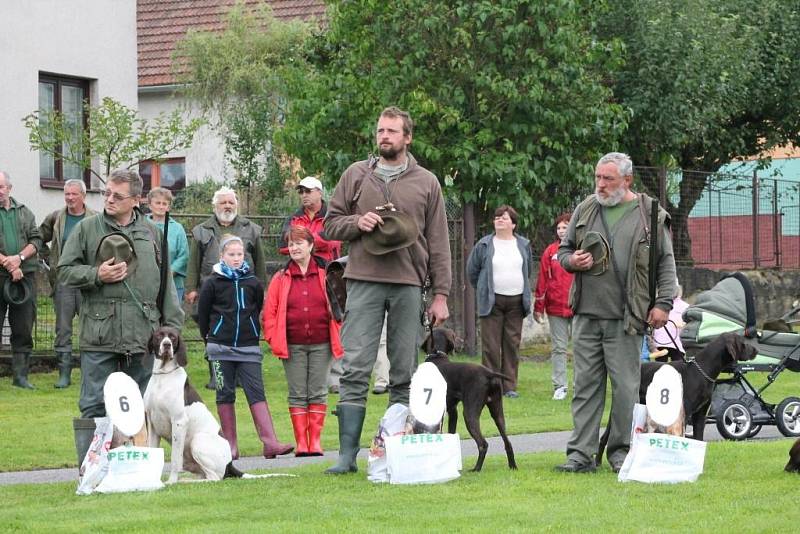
x=94, y=39
x=206, y=157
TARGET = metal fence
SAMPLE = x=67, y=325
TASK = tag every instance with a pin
x=44, y=327
x=727, y=220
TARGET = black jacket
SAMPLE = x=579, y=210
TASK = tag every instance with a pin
x=225, y=319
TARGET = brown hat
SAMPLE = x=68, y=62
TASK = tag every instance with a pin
x=596, y=244
x=118, y=246
x=398, y=231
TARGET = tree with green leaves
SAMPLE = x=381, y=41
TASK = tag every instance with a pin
x=116, y=136
x=508, y=96
x=239, y=78
x=706, y=82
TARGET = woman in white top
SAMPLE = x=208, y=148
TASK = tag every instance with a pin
x=499, y=268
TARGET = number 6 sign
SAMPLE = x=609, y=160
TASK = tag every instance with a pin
x=665, y=396
x=124, y=404
x=428, y=395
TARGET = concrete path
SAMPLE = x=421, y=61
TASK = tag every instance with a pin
x=523, y=443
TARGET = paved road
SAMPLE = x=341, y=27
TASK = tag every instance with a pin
x=523, y=443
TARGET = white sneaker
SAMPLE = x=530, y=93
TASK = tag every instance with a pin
x=560, y=393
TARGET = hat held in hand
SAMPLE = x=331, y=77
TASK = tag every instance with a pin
x=596, y=244
x=18, y=292
x=398, y=231
x=118, y=246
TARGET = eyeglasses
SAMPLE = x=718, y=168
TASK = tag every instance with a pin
x=116, y=196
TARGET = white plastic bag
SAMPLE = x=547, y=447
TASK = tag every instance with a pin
x=95, y=464
x=133, y=469
x=392, y=423
x=660, y=457
x=423, y=458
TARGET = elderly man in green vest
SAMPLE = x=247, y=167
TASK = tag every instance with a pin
x=55, y=229
x=118, y=308
x=607, y=247
x=204, y=247
x=18, y=247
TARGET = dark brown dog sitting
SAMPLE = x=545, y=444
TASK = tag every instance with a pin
x=699, y=376
x=475, y=386
x=793, y=466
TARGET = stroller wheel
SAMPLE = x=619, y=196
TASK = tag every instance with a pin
x=754, y=431
x=734, y=421
x=787, y=417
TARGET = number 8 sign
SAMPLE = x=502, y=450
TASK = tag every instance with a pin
x=665, y=396
x=428, y=396
x=124, y=404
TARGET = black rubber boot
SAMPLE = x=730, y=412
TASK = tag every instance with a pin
x=64, y=370
x=20, y=363
x=351, y=420
x=83, y=429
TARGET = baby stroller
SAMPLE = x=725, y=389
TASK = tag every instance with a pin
x=737, y=406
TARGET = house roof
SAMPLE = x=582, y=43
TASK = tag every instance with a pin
x=162, y=23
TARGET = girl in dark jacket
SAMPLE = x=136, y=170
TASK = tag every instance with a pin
x=228, y=309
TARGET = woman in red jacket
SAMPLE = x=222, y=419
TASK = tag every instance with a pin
x=301, y=330
x=552, y=296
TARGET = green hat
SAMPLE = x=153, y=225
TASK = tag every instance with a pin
x=398, y=231
x=18, y=292
x=118, y=246
x=596, y=244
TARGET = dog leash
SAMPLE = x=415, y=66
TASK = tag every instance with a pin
x=703, y=373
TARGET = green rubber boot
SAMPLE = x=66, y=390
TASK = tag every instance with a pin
x=20, y=363
x=64, y=370
x=351, y=420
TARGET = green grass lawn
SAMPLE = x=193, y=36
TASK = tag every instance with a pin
x=743, y=489
x=37, y=425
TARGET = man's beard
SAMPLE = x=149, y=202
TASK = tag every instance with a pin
x=225, y=217
x=389, y=152
x=612, y=199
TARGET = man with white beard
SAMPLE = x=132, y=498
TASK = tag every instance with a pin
x=607, y=247
x=204, y=247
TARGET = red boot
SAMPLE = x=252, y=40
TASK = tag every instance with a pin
x=227, y=420
x=300, y=424
x=266, y=432
x=316, y=420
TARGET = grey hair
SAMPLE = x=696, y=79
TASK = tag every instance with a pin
x=128, y=176
x=160, y=192
x=6, y=176
x=76, y=182
x=622, y=161
x=224, y=190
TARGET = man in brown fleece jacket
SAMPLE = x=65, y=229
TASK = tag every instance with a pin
x=391, y=281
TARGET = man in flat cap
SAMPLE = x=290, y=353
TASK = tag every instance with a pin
x=392, y=212
x=114, y=258
x=607, y=247
x=18, y=264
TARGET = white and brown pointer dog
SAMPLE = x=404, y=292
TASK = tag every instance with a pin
x=176, y=413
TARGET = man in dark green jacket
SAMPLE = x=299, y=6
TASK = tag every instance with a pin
x=118, y=309
x=55, y=229
x=19, y=243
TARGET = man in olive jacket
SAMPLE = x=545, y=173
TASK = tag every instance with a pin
x=55, y=229
x=118, y=312
x=19, y=243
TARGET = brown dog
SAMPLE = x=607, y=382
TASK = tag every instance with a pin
x=475, y=386
x=793, y=466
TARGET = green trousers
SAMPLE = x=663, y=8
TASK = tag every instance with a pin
x=361, y=333
x=602, y=349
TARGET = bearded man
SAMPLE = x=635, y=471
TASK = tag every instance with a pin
x=204, y=247
x=607, y=247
